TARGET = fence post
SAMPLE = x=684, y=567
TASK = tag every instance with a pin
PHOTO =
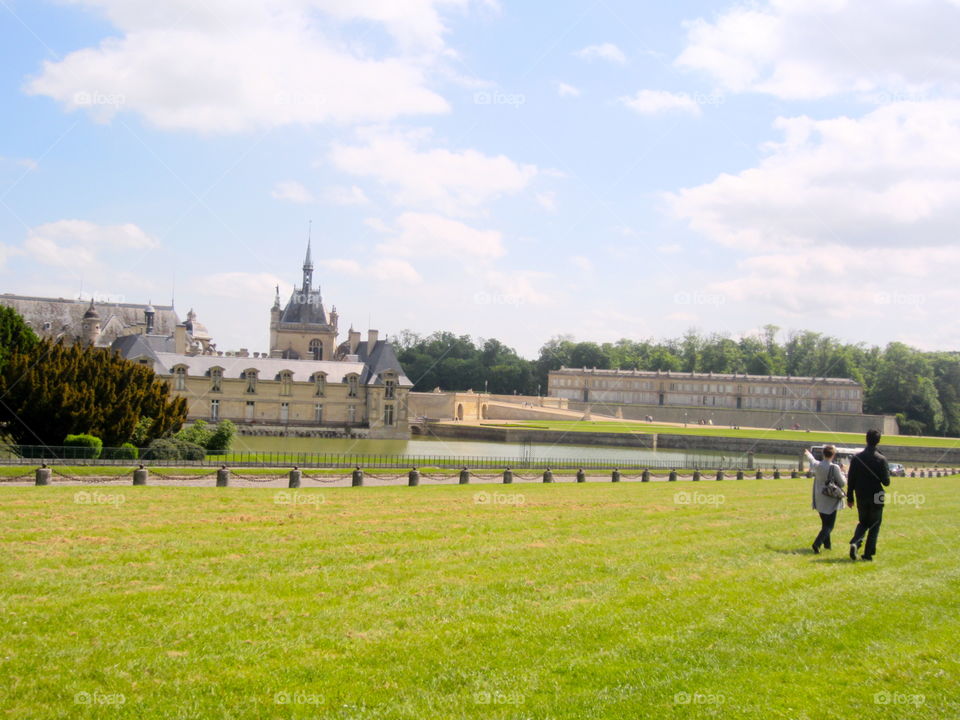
x=507, y=476
x=547, y=476
x=581, y=476
x=223, y=476
x=696, y=475
x=140, y=475
x=615, y=475
x=739, y=474
x=759, y=474
x=645, y=477
x=42, y=476
x=776, y=473
x=295, y=476
x=719, y=474
x=673, y=476
x=356, y=478
x=464, y=477
x=413, y=478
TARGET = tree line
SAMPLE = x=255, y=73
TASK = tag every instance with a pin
x=921, y=388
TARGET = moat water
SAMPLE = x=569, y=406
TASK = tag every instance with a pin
x=435, y=447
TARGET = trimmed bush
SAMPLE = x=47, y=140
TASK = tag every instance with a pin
x=127, y=451
x=222, y=437
x=190, y=451
x=83, y=446
x=162, y=449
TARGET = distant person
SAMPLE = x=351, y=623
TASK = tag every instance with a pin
x=828, y=485
x=869, y=474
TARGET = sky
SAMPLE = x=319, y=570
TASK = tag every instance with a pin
x=605, y=170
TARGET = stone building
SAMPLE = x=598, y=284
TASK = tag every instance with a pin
x=102, y=324
x=306, y=381
x=724, y=399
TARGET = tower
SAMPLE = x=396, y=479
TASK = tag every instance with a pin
x=303, y=330
x=90, y=325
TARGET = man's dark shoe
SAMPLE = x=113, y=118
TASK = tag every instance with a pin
x=827, y=546
x=868, y=558
x=816, y=549
x=853, y=551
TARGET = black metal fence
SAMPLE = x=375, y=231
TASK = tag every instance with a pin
x=31, y=455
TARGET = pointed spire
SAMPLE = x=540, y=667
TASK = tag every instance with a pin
x=308, y=263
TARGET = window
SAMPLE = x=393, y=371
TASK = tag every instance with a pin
x=318, y=413
x=180, y=378
x=284, y=412
x=214, y=410
x=286, y=383
x=388, y=414
x=391, y=386
x=352, y=385
x=216, y=379
x=316, y=349
x=319, y=384
x=249, y=411
x=352, y=414
x=251, y=377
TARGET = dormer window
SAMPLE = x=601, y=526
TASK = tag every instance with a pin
x=216, y=379
x=390, y=388
x=316, y=349
x=251, y=377
x=180, y=378
x=353, y=384
x=286, y=383
x=319, y=384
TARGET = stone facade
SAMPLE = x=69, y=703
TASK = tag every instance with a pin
x=307, y=381
x=704, y=391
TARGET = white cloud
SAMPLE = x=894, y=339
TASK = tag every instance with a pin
x=292, y=191
x=456, y=182
x=547, y=200
x=241, y=286
x=803, y=49
x=429, y=235
x=604, y=51
x=584, y=264
x=651, y=102
x=887, y=179
x=384, y=269
x=76, y=243
x=235, y=66
x=352, y=195
x=565, y=90
x=376, y=224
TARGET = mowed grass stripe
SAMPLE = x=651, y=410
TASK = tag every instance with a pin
x=583, y=601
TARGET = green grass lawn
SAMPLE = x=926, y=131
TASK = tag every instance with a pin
x=483, y=601
x=854, y=439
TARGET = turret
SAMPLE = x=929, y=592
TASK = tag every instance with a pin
x=150, y=315
x=90, y=325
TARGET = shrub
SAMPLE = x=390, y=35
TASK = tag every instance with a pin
x=83, y=446
x=127, y=451
x=196, y=434
x=173, y=449
x=222, y=437
x=162, y=449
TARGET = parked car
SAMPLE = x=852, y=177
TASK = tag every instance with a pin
x=897, y=470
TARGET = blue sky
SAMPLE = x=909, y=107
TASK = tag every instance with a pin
x=508, y=170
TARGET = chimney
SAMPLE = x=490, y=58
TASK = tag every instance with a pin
x=354, y=339
x=372, y=341
x=150, y=314
x=179, y=338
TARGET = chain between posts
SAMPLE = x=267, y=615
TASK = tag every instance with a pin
x=90, y=480
x=326, y=480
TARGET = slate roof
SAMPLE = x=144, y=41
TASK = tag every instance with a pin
x=267, y=368
x=65, y=316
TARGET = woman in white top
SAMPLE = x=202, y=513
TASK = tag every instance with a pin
x=827, y=506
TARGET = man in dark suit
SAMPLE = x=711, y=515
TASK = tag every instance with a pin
x=869, y=474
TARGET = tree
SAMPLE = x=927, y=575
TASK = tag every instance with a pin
x=51, y=391
x=15, y=335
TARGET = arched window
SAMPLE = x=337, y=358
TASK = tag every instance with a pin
x=316, y=349
x=286, y=382
x=319, y=384
x=216, y=379
x=180, y=378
